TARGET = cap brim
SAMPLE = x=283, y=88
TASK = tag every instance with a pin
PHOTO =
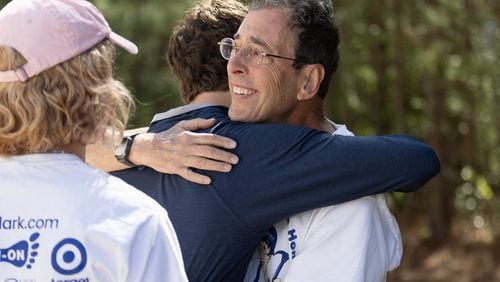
x=124, y=43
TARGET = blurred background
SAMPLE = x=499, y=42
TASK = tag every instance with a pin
x=429, y=68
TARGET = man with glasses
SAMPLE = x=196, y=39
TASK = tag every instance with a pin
x=283, y=169
x=290, y=88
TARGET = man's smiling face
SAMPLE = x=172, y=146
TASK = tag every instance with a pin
x=265, y=92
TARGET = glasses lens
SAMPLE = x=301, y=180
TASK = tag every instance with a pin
x=226, y=47
x=256, y=54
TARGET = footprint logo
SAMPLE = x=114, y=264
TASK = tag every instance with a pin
x=22, y=253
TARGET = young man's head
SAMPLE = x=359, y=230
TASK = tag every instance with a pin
x=193, y=52
x=284, y=52
x=56, y=76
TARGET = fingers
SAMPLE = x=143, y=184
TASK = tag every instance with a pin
x=181, y=164
x=206, y=164
x=207, y=152
x=199, y=144
x=177, y=150
x=180, y=133
x=202, y=164
x=192, y=176
x=208, y=139
x=196, y=124
x=181, y=167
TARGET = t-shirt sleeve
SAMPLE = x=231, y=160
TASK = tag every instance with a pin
x=284, y=170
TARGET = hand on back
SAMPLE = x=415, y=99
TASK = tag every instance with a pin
x=178, y=150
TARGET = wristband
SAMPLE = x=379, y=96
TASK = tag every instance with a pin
x=122, y=150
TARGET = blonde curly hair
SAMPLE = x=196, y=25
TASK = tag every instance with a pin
x=71, y=103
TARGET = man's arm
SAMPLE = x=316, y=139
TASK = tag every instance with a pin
x=174, y=151
x=285, y=170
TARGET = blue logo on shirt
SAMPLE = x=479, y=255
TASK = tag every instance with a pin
x=22, y=253
x=267, y=252
x=69, y=257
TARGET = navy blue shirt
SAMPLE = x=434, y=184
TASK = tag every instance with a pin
x=283, y=170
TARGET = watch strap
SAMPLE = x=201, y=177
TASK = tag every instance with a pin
x=124, y=152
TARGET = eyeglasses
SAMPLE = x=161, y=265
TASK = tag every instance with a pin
x=252, y=54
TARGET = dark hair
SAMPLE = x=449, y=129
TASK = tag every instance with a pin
x=193, y=52
x=270, y=238
x=318, y=42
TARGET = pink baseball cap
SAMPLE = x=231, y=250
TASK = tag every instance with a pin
x=49, y=32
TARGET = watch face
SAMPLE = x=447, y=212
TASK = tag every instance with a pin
x=120, y=150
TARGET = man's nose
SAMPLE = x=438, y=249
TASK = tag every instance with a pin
x=238, y=63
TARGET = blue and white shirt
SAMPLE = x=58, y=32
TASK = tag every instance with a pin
x=61, y=220
x=356, y=241
x=283, y=170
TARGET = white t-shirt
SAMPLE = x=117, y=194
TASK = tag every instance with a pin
x=356, y=241
x=61, y=220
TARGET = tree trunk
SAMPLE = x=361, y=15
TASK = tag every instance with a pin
x=441, y=194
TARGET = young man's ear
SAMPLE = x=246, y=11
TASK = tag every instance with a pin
x=313, y=76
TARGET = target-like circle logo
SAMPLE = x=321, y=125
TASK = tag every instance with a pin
x=69, y=257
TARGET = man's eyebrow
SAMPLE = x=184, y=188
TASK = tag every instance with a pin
x=254, y=40
x=258, y=41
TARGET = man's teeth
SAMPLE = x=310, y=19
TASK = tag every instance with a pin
x=242, y=91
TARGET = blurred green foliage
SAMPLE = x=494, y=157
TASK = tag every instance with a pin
x=431, y=69
x=148, y=24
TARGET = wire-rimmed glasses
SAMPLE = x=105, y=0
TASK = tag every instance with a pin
x=252, y=54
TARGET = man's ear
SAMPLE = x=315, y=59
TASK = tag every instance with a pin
x=313, y=75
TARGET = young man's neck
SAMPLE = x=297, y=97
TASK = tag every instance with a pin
x=220, y=98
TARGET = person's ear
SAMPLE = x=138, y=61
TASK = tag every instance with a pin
x=313, y=75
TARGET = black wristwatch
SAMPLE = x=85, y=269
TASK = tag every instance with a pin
x=122, y=150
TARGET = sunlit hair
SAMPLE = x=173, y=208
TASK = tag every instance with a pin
x=71, y=103
x=318, y=40
x=193, y=53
